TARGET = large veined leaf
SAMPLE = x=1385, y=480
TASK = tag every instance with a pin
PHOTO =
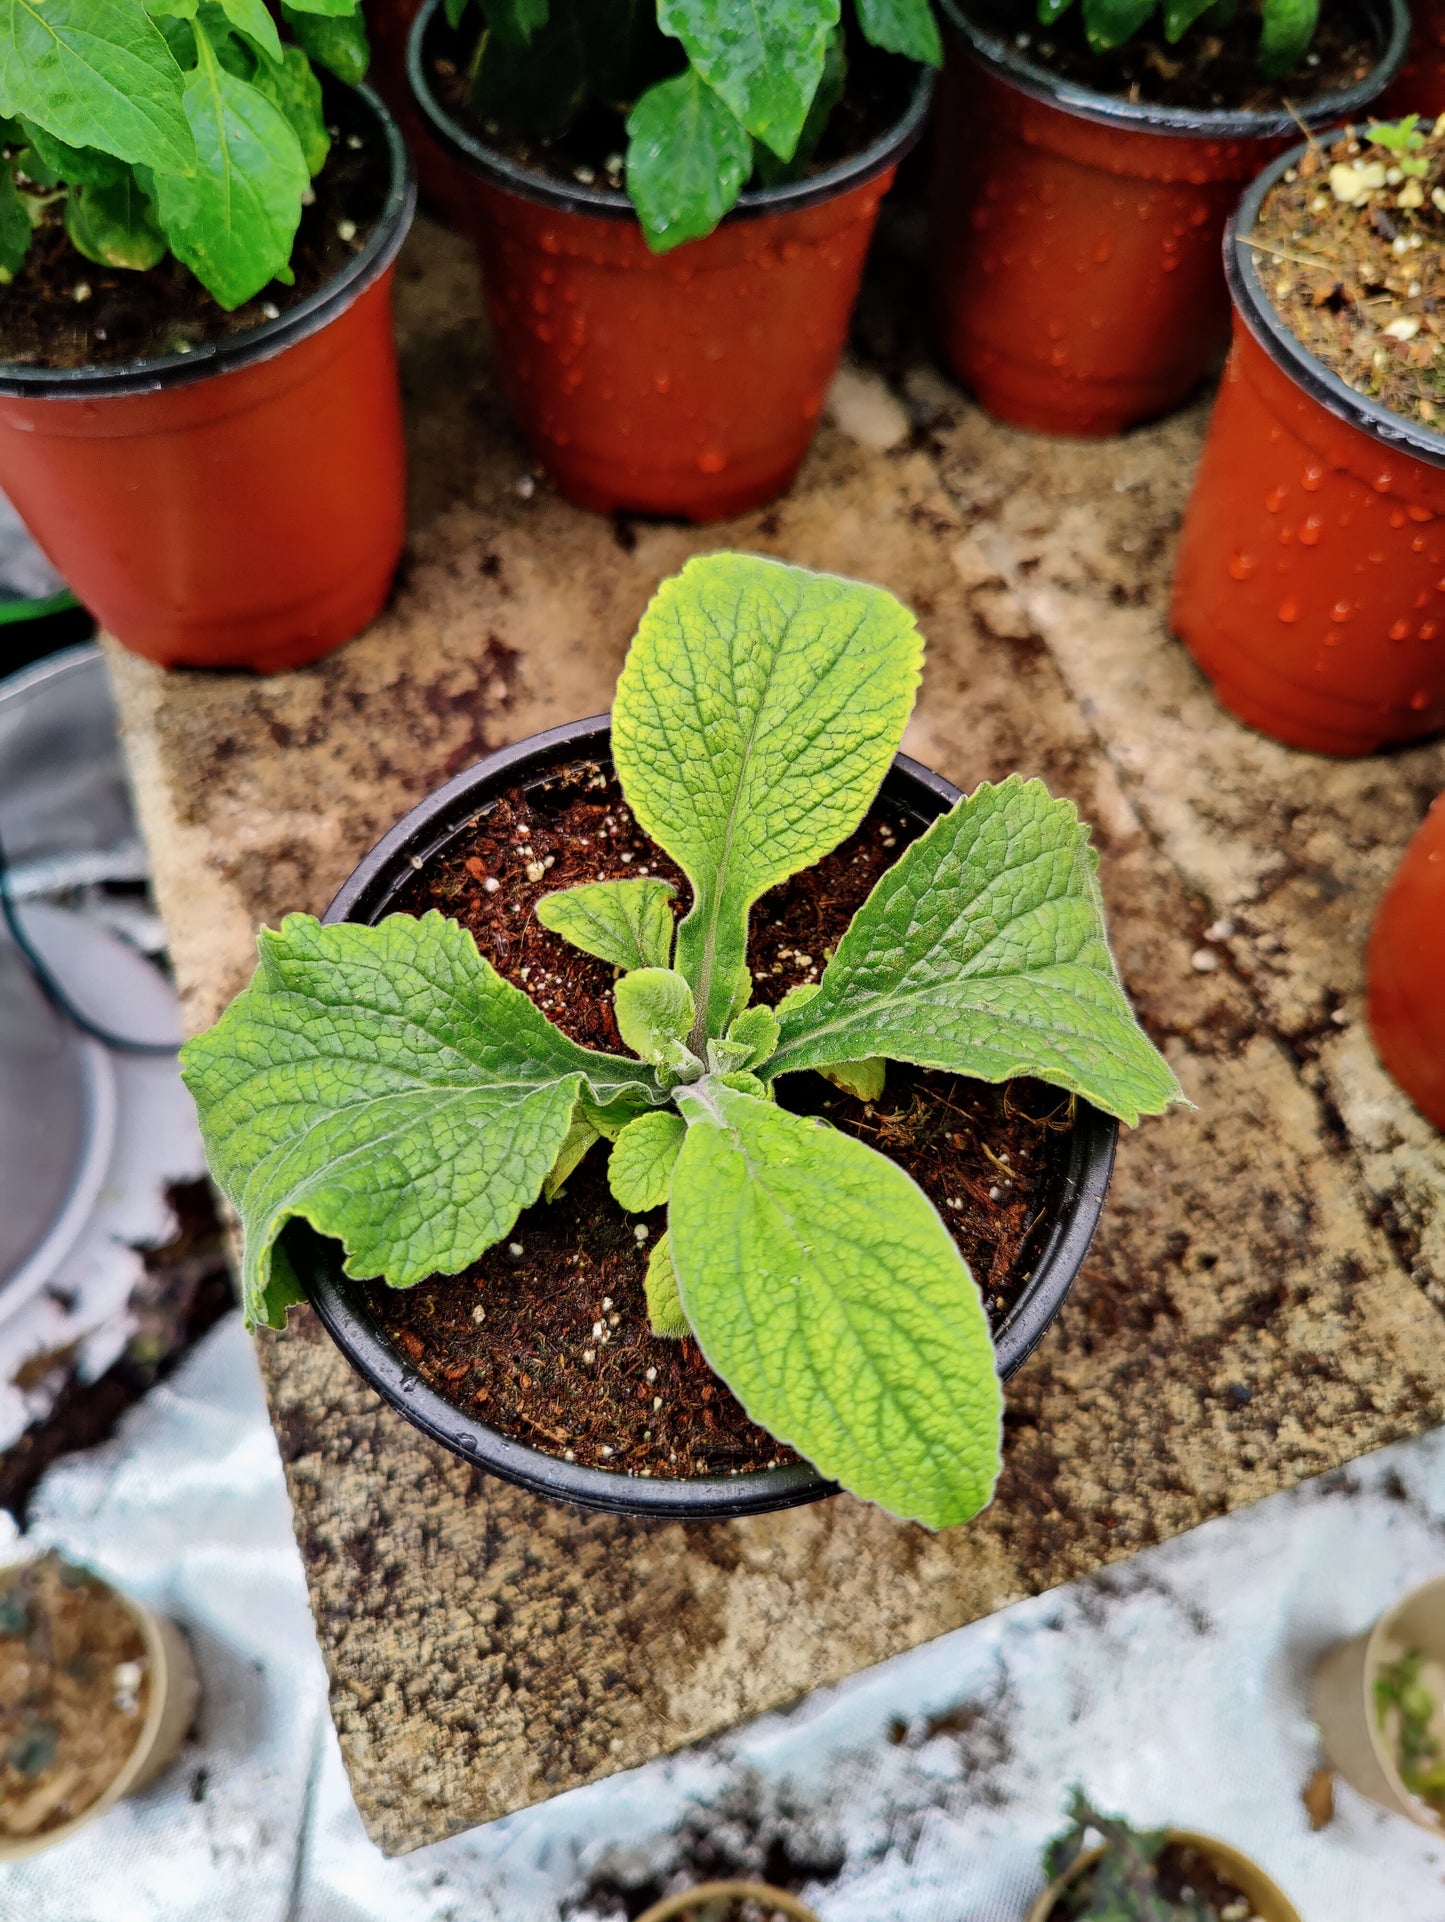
x=390, y=1087
x=902, y=26
x=233, y=221
x=982, y=949
x=825, y=1290
x=294, y=88
x=756, y=715
x=95, y=73
x=688, y=155
x=764, y=57
x=639, y=1171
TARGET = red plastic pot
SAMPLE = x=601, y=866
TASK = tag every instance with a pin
x=242, y=505
x=1420, y=87
x=1405, y=970
x=688, y=383
x=1310, y=583
x=444, y=188
x=1074, y=245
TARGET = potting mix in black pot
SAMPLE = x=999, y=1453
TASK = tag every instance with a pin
x=757, y=1229
x=199, y=212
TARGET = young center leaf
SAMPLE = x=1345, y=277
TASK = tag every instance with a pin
x=390, y=1087
x=982, y=949
x=95, y=73
x=640, y=1169
x=688, y=155
x=756, y=715
x=827, y=1293
x=765, y=58
x=628, y=923
x=654, y=1009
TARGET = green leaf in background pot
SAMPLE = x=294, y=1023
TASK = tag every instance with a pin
x=639, y=1171
x=687, y=158
x=765, y=57
x=95, y=73
x=757, y=713
x=771, y=171
x=1180, y=16
x=252, y=18
x=538, y=90
x=76, y=166
x=516, y=20
x=827, y=1293
x=628, y=923
x=664, y=1310
x=389, y=1086
x=234, y=220
x=16, y=228
x=1109, y=23
x=334, y=37
x=655, y=1013
x=982, y=949
x=902, y=26
x=115, y=225
x=295, y=90
x=1286, y=29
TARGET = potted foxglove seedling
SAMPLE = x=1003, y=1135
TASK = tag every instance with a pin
x=729, y=1902
x=1310, y=584
x=1103, y=1870
x=96, y=1696
x=760, y=1280
x=1086, y=161
x=1380, y=1702
x=199, y=411
x=672, y=205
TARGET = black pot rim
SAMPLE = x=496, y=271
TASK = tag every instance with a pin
x=432, y=824
x=1256, y=310
x=612, y=203
x=272, y=337
x=1010, y=63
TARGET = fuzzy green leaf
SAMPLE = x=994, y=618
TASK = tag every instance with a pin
x=765, y=58
x=116, y=225
x=389, y=1086
x=580, y=1136
x=655, y=1012
x=294, y=88
x=827, y=1293
x=16, y=230
x=902, y=26
x=983, y=950
x=687, y=158
x=640, y=1169
x=756, y=715
x=95, y=73
x=864, y=1080
x=664, y=1310
x=757, y=1030
x=234, y=220
x=625, y=922
x=334, y=36
x=1286, y=29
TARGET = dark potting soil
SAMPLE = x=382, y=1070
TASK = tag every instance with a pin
x=1183, y=1873
x=592, y=150
x=64, y=311
x=1351, y=250
x=546, y=1337
x=1204, y=70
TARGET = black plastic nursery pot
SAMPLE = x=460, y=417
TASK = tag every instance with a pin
x=1075, y=236
x=1076, y=1184
x=241, y=505
x=688, y=383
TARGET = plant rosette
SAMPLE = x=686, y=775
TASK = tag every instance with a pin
x=1379, y=1700
x=1310, y=582
x=1160, y=1875
x=200, y=418
x=1075, y=233
x=98, y=1694
x=1404, y=1002
x=631, y=308
x=385, y=1084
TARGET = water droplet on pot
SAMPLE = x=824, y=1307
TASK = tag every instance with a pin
x=1341, y=611
x=1274, y=499
x=1288, y=609
x=1242, y=565
x=1312, y=479
x=1310, y=531
x=1420, y=700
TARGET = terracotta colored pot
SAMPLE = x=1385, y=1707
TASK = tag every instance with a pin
x=171, y=1699
x=1344, y=1698
x=1270, y=1901
x=688, y=383
x=1420, y=87
x=1075, y=237
x=242, y=505
x=1405, y=970
x=1310, y=584
x=445, y=191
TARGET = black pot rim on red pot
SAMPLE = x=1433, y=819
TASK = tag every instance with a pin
x=212, y=358
x=479, y=157
x=1002, y=56
x=1075, y=1188
x=1257, y=311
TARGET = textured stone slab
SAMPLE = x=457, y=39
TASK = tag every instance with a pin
x=1258, y=1305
